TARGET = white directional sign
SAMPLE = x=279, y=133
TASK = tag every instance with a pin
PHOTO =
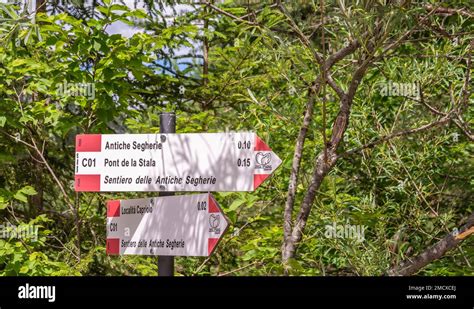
x=172, y=162
x=183, y=225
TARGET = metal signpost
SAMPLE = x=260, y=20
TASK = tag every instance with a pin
x=166, y=262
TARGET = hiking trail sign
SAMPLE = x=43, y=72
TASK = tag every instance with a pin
x=182, y=225
x=172, y=162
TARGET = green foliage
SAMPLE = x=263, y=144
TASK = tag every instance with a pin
x=31, y=255
x=407, y=192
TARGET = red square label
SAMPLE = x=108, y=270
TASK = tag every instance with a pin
x=88, y=142
x=113, y=246
x=113, y=208
x=88, y=183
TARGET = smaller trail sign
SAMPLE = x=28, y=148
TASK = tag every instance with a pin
x=183, y=225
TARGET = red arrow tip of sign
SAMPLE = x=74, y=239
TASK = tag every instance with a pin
x=260, y=145
x=213, y=205
x=214, y=208
x=258, y=179
x=211, y=243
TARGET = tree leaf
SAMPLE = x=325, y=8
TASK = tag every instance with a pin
x=21, y=194
x=236, y=205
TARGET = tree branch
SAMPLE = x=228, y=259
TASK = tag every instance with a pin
x=464, y=130
x=449, y=11
x=319, y=59
x=38, y=151
x=388, y=137
x=290, y=200
x=217, y=9
x=412, y=265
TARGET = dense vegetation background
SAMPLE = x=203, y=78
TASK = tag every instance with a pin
x=368, y=103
